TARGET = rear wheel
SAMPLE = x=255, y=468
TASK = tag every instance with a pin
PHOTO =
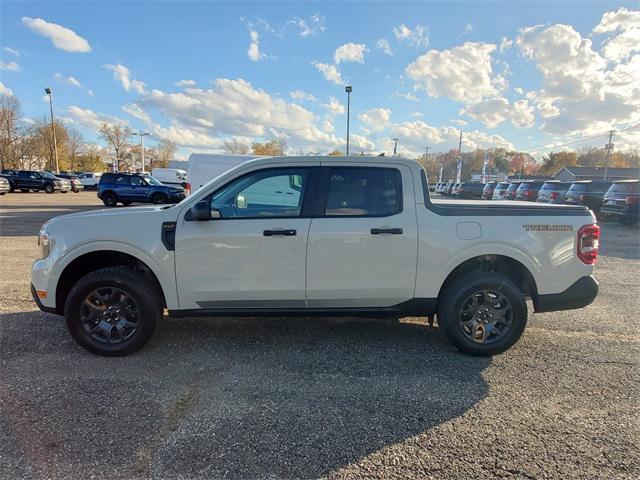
x=109, y=199
x=482, y=313
x=24, y=190
x=159, y=198
x=49, y=188
x=112, y=311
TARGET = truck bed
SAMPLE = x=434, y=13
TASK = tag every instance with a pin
x=450, y=207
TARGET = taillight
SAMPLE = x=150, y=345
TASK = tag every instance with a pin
x=553, y=195
x=630, y=200
x=588, y=243
x=187, y=188
x=529, y=193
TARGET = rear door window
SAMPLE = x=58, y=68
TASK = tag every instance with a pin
x=363, y=192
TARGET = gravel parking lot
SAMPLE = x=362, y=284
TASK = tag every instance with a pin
x=307, y=398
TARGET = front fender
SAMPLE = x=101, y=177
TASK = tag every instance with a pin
x=162, y=269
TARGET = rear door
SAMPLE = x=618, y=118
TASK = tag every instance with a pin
x=362, y=250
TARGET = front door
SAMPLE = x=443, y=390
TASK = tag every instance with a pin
x=362, y=250
x=253, y=255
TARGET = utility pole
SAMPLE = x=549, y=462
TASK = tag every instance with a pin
x=459, y=175
x=460, y=144
x=142, y=135
x=426, y=154
x=53, y=130
x=395, y=146
x=609, y=148
x=348, y=89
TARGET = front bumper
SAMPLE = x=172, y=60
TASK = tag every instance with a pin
x=39, y=302
x=175, y=198
x=582, y=293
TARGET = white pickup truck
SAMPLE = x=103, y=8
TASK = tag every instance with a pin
x=310, y=236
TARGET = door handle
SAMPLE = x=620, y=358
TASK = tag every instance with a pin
x=392, y=231
x=286, y=233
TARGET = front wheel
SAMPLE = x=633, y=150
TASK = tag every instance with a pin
x=482, y=313
x=159, y=198
x=109, y=199
x=112, y=311
x=49, y=188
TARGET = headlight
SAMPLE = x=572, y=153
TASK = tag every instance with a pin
x=44, y=244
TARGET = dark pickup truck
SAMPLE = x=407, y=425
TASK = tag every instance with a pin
x=28, y=180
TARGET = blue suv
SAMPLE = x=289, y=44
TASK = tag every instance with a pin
x=127, y=188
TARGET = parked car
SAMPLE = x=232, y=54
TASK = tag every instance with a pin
x=510, y=192
x=5, y=186
x=446, y=190
x=528, y=191
x=75, y=182
x=90, y=179
x=553, y=191
x=455, y=188
x=487, y=190
x=172, y=176
x=621, y=202
x=30, y=180
x=469, y=190
x=127, y=188
x=588, y=193
x=296, y=236
x=499, y=190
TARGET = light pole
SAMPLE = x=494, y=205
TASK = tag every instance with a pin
x=395, y=146
x=142, y=135
x=348, y=89
x=53, y=129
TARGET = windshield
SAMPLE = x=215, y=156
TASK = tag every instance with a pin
x=152, y=181
x=47, y=175
x=578, y=187
x=513, y=187
x=630, y=187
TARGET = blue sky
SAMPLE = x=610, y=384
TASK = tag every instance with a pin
x=526, y=75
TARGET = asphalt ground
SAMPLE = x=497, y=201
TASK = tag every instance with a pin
x=308, y=398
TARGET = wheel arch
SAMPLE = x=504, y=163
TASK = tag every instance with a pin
x=505, y=265
x=89, y=261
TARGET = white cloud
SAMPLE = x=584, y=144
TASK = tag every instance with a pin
x=581, y=92
x=406, y=96
x=92, y=120
x=468, y=29
x=4, y=90
x=10, y=66
x=253, y=52
x=334, y=107
x=135, y=111
x=383, y=44
x=90, y=93
x=375, y=119
x=519, y=90
x=463, y=73
x=327, y=126
x=626, y=23
x=61, y=37
x=418, y=36
x=505, y=44
x=350, y=52
x=494, y=111
x=307, y=28
x=459, y=121
x=302, y=95
x=70, y=80
x=186, y=83
x=123, y=75
x=330, y=72
x=417, y=114
x=12, y=51
x=414, y=135
x=232, y=108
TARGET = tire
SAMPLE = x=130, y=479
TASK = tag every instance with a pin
x=126, y=203
x=63, y=191
x=141, y=302
x=109, y=199
x=49, y=188
x=25, y=190
x=159, y=198
x=502, y=334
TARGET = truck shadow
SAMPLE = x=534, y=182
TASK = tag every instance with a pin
x=24, y=220
x=229, y=398
x=621, y=241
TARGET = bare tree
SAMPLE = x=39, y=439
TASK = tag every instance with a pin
x=165, y=151
x=46, y=145
x=118, y=139
x=75, y=145
x=12, y=132
x=235, y=147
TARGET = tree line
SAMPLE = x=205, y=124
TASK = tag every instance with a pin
x=28, y=144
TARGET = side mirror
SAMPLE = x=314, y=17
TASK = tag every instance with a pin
x=201, y=211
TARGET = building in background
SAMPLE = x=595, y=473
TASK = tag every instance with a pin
x=578, y=172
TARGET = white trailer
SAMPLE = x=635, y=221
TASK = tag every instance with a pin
x=207, y=166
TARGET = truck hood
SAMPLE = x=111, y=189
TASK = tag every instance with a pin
x=119, y=215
